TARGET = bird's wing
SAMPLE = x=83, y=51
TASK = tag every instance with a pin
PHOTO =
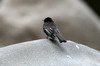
x=49, y=31
x=56, y=30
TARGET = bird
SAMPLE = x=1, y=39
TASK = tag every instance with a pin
x=51, y=30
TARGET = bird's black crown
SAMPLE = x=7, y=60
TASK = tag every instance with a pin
x=48, y=19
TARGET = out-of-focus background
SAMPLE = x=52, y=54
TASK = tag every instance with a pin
x=77, y=20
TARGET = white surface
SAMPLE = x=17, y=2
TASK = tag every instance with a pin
x=46, y=53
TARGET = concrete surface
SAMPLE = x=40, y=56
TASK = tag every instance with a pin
x=44, y=52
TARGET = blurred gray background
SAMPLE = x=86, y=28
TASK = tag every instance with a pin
x=21, y=20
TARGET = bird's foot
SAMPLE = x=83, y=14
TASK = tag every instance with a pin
x=63, y=41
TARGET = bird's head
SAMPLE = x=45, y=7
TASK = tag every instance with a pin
x=48, y=19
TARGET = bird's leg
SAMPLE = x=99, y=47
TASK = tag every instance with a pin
x=47, y=37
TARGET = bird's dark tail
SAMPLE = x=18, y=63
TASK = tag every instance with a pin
x=61, y=39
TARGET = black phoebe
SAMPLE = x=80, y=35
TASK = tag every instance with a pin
x=51, y=29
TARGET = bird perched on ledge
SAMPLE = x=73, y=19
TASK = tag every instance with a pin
x=51, y=30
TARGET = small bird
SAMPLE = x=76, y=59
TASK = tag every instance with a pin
x=51, y=30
